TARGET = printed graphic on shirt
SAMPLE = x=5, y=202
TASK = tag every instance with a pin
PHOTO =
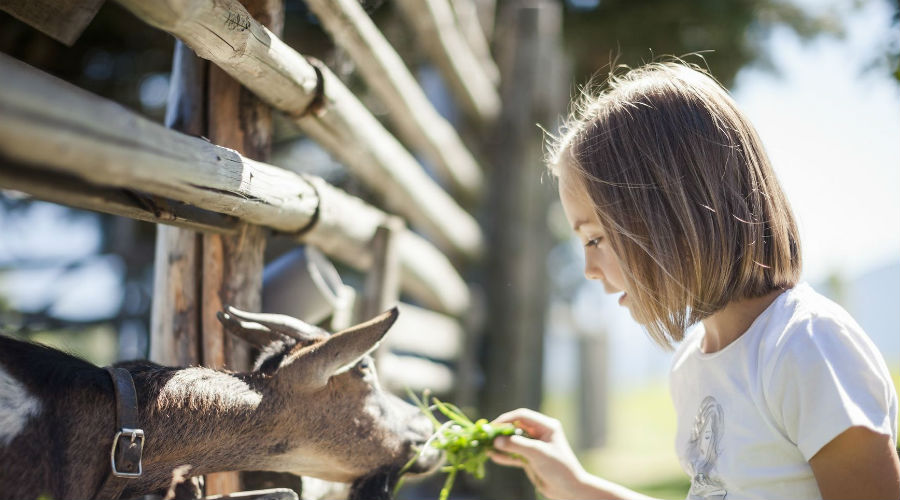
x=704, y=451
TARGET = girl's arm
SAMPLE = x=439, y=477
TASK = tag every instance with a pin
x=858, y=463
x=549, y=461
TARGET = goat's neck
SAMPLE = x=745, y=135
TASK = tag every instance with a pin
x=213, y=421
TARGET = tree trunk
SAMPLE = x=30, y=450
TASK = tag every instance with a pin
x=517, y=286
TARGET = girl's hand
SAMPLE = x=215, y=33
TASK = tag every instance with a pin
x=546, y=456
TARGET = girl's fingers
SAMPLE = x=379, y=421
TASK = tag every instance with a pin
x=520, y=445
x=502, y=459
x=534, y=423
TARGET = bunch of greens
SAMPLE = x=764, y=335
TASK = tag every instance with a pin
x=465, y=443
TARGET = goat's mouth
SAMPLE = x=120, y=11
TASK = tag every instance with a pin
x=426, y=460
x=380, y=484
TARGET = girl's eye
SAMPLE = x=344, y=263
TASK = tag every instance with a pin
x=594, y=242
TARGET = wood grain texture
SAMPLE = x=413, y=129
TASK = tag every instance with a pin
x=226, y=34
x=62, y=20
x=434, y=23
x=414, y=117
x=48, y=124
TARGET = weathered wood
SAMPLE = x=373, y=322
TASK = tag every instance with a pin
x=75, y=192
x=516, y=282
x=102, y=143
x=435, y=25
x=381, y=290
x=426, y=333
x=399, y=373
x=175, y=315
x=62, y=20
x=224, y=32
x=233, y=265
x=174, y=323
x=53, y=125
x=487, y=11
x=470, y=25
x=412, y=114
x=346, y=224
x=593, y=390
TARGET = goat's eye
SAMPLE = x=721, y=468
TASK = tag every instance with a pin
x=363, y=366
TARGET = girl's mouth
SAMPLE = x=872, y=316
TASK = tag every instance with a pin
x=622, y=298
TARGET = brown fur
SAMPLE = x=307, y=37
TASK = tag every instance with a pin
x=292, y=414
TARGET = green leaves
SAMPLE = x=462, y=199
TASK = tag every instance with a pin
x=465, y=443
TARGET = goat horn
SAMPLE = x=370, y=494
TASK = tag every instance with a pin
x=254, y=333
x=281, y=324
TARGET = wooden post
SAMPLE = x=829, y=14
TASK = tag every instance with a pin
x=593, y=390
x=175, y=321
x=233, y=265
x=520, y=240
x=382, y=286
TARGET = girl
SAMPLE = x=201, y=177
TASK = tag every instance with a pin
x=779, y=393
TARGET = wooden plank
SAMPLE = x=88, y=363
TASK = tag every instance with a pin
x=470, y=25
x=233, y=265
x=224, y=32
x=75, y=192
x=62, y=20
x=345, y=221
x=50, y=124
x=102, y=143
x=435, y=25
x=414, y=117
x=381, y=290
x=175, y=338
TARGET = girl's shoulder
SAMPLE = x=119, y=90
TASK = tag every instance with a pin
x=821, y=374
x=803, y=324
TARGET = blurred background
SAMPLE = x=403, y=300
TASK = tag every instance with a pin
x=818, y=78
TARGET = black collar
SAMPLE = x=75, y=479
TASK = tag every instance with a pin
x=128, y=442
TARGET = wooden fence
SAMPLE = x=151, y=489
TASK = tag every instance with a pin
x=214, y=201
x=62, y=144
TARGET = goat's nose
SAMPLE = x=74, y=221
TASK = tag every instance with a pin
x=420, y=427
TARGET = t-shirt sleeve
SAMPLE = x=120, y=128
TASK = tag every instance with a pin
x=825, y=378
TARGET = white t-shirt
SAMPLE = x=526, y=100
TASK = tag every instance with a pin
x=751, y=415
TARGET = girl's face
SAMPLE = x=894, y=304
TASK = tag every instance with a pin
x=600, y=262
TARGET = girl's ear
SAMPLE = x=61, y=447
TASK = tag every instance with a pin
x=317, y=363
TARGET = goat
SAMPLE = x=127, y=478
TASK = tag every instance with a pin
x=311, y=406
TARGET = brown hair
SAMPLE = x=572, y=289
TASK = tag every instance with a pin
x=682, y=184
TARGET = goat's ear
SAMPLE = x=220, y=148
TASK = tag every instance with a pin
x=344, y=349
x=260, y=329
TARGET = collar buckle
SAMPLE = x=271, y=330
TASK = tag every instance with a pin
x=131, y=454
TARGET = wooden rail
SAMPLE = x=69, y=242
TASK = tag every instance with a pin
x=127, y=163
x=435, y=25
x=223, y=32
x=412, y=114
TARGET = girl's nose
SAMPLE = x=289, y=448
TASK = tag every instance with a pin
x=592, y=272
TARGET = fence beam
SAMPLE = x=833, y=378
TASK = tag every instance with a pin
x=225, y=33
x=412, y=114
x=434, y=23
x=53, y=125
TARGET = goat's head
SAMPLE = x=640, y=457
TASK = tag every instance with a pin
x=334, y=420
